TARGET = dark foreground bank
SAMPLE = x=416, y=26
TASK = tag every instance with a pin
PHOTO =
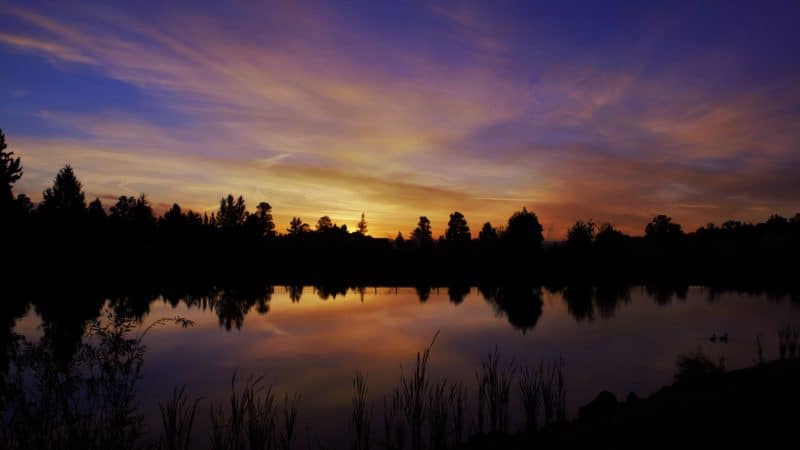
x=757, y=406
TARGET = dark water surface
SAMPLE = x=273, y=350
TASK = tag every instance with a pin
x=626, y=340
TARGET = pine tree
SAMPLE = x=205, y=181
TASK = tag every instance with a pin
x=362, y=225
x=10, y=172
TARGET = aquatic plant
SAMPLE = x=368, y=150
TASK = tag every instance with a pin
x=177, y=420
x=361, y=414
x=459, y=410
x=558, y=389
x=760, y=358
x=440, y=402
x=393, y=428
x=88, y=401
x=494, y=385
x=697, y=367
x=530, y=386
x=289, y=414
x=251, y=419
x=414, y=388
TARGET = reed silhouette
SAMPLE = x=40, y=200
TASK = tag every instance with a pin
x=92, y=402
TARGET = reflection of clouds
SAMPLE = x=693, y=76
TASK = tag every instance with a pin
x=321, y=344
x=295, y=106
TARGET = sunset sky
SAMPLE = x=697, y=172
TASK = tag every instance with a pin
x=401, y=109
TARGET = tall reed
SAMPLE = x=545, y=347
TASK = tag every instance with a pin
x=530, y=387
x=783, y=341
x=251, y=420
x=494, y=386
x=760, y=359
x=177, y=419
x=459, y=411
x=361, y=415
x=554, y=393
x=289, y=413
x=414, y=389
x=394, y=431
x=440, y=402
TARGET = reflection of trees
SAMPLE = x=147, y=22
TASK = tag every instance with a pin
x=608, y=299
x=457, y=293
x=133, y=304
x=423, y=292
x=579, y=302
x=584, y=302
x=488, y=292
x=233, y=304
x=11, y=309
x=330, y=290
x=663, y=293
x=522, y=305
x=295, y=292
x=65, y=315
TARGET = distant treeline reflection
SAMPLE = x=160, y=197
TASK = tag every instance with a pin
x=126, y=236
x=66, y=309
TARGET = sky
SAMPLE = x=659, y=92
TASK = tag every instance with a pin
x=610, y=111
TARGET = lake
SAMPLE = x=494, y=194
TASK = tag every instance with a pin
x=313, y=341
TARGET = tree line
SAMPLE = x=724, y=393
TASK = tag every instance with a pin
x=129, y=231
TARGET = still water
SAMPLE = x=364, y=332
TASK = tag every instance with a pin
x=307, y=341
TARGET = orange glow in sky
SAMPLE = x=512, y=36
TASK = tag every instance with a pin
x=408, y=110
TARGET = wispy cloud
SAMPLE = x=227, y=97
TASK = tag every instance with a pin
x=296, y=106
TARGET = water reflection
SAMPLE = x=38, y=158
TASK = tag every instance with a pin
x=66, y=311
x=457, y=293
x=521, y=305
x=613, y=337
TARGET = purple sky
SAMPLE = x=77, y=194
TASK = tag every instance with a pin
x=401, y=109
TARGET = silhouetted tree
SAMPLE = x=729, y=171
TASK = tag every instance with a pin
x=399, y=240
x=422, y=234
x=14, y=213
x=174, y=218
x=776, y=220
x=96, y=211
x=325, y=224
x=97, y=217
x=132, y=212
x=580, y=235
x=362, y=225
x=232, y=213
x=260, y=223
x=457, y=228
x=63, y=204
x=10, y=173
x=488, y=233
x=662, y=227
x=730, y=225
x=297, y=227
x=24, y=205
x=607, y=234
x=524, y=229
